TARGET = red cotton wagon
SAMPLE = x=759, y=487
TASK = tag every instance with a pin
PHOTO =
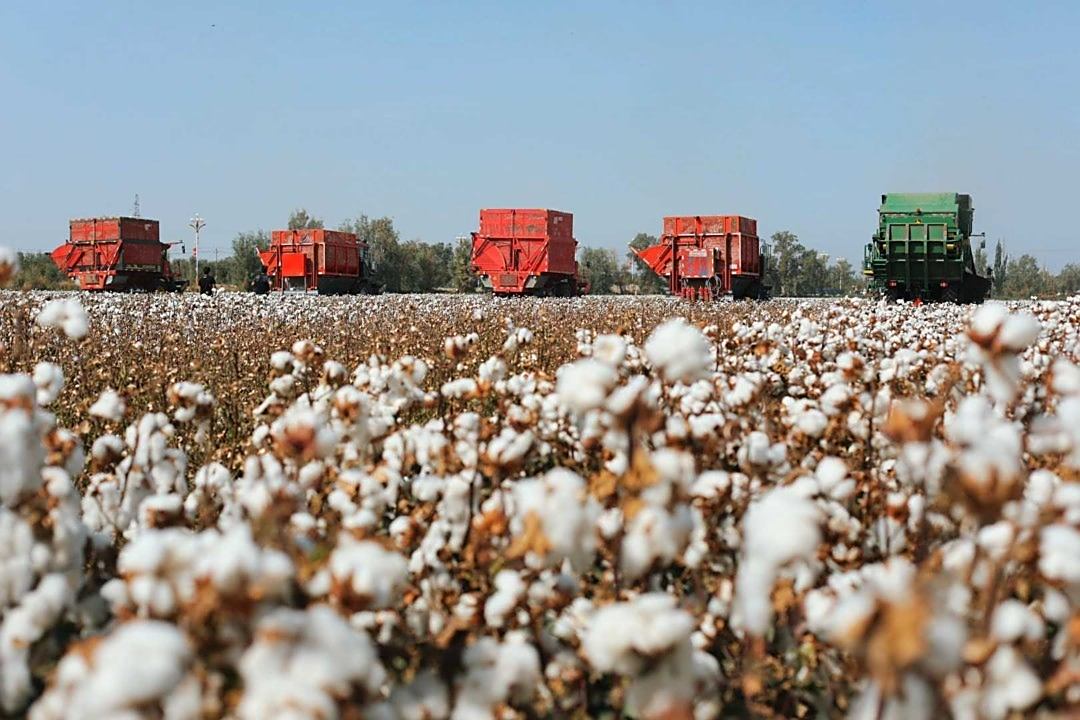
x=704, y=257
x=329, y=262
x=526, y=252
x=116, y=253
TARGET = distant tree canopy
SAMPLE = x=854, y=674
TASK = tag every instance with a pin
x=37, y=271
x=648, y=282
x=1024, y=277
x=299, y=219
x=793, y=270
x=410, y=266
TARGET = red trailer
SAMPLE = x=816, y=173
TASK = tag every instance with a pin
x=706, y=256
x=526, y=252
x=329, y=262
x=117, y=253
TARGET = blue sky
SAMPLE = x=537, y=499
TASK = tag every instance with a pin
x=798, y=114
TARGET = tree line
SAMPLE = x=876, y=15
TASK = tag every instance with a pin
x=791, y=268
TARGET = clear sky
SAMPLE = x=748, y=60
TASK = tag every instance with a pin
x=798, y=114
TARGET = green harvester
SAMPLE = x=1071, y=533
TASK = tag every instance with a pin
x=922, y=249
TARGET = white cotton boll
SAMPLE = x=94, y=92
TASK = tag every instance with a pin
x=372, y=573
x=988, y=318
x=301, y=662
x=679, y=352
x=1019, y=331
x=1065, y=377
x=1059, y=553
x=584, y=385
x=812, y=422
x=610, y=349
x=509, y=590
x=67, y=314
x=109, y=406
x=49, y=379
x=567, y=515
x=832, y=476
x=282, y=360
x=996, y=539
x=459, y=388
x=142, y=663
x=711, y=485
x=1011, y=685
x=496, y=673
x=780, y=527
x=21, y=455
x=1013, y=620
x=622, y=637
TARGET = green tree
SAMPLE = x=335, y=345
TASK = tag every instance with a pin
x=647, y=281
x=300, y=219
x=842, y=280
x=1001, y=269
x=462, y=276
x=37, y=271
x=788, y=256
x=1068, y=280
x=1026, y=279
x=245, y=258
x=600, y=267
x=384, y=253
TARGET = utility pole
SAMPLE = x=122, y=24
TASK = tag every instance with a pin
x=135, y=211
x=197, y=224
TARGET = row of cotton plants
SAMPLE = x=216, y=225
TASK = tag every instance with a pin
x=781, y=510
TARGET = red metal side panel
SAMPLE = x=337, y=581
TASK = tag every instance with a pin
x=293, y=264
x=698, y=263
x=146, y=256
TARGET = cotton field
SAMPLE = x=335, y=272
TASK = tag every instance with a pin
x=430, y=507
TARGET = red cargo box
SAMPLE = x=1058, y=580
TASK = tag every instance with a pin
x=686, y=225
x=116, y=228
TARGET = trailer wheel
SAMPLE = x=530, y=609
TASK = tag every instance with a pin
x=951, y=294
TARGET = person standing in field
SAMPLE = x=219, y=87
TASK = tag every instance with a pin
x=206, y=282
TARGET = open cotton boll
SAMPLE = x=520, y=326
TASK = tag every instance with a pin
x=624, y=637
x=21, y=454
x=566, y=514
x=303, y=662
x=372, y=576
x=142, y=663
x=679, y=352
x=68, y=315
x=1013, y=620
x=610, y=349
x=49, y=379
x=509, y=590
x=584, y=385
x=780, y=527
x=109, y=406
x=496, y=673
